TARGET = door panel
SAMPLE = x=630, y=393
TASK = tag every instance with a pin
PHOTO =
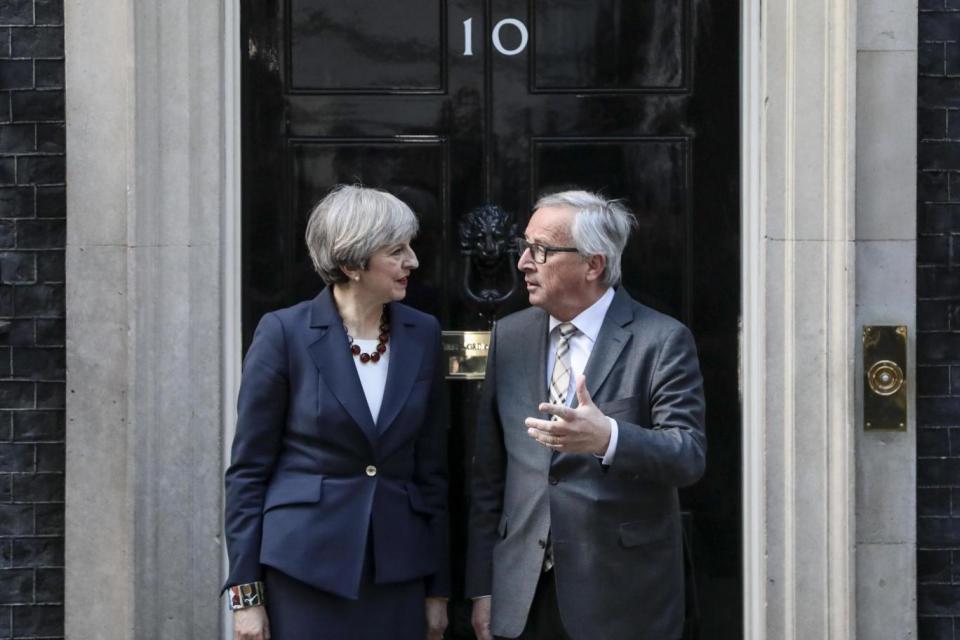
x=454, y=105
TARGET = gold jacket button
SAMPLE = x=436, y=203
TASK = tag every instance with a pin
x=371, y=470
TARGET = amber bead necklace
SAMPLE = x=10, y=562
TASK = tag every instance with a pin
x=382, y=340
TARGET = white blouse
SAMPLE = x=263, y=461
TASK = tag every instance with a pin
x=373, y=376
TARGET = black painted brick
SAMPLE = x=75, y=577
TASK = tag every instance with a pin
x=953, y=125
x=29, y=106
x=19, y=333
x=955, y=381
x=16, y=395
x=51, y=138
x=930, y=59
x=938, y=532
x=41, y=170
x=938, y=92
x=4, y=106
x=951, y=4
x=45, y=300
x=6, y=495
x=49, y=519
x=18, y=138
x=16, y=586
x=952, y=52
x=43, y=363
x=37, y=552
x=37, y=487
x=49, y=585
x=932, y=124
x=52, y=202
x=933, y=566
x=932, y=443
x=927, y=5
x=16, y=202
x=49, y=74
x=8, y=171
x=939, y=599
x=934, y=185
x=17, y=267
x=934, y=155
x=38, y=426
x=51, y=457
x=17, y=457
x=6, y=426
x=48, y=11
x=933, y=381
x=16, y=12
x=936, y=412
x=933, y=501
x=932, y=315
x=935, y=628
x=38, y=621
x=36, y=42
x=50, y=266
x=50, y=333
x=5, y=368
x=6, y=302
x=46, y=233
x=16, y=519
x=936, y=348
x=50, y=395
x=16, y=74
x=939, y=26
x=938, y=472
x=934, y=249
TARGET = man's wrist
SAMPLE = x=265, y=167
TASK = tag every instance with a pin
x=601, y=450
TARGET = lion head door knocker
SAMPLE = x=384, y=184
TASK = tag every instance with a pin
x=488, y=245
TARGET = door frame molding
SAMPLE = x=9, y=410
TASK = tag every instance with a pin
x=153, y=194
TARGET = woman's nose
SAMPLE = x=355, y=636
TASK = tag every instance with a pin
x=411, y=261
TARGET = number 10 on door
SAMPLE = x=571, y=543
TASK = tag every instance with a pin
x=495, y=36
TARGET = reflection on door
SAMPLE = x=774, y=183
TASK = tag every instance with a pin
x=456, y=105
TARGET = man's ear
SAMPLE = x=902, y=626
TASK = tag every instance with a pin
x=596, y=265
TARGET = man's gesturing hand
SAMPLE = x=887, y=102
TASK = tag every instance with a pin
x=581, y=430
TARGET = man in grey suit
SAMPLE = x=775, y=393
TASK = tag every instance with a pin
x=591, y=417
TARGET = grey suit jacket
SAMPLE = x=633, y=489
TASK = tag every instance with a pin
x=615, y=530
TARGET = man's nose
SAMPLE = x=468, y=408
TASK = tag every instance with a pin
x=525, y=263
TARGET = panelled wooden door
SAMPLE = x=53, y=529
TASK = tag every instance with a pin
x=454, y=105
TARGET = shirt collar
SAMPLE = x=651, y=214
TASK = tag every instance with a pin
x=589, y=321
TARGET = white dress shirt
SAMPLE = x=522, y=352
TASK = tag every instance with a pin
x=588, y=325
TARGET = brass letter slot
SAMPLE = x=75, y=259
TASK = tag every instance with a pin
x=465, y=354
x=884, y=378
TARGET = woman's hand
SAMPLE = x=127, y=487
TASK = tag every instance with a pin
x=251, y=624
x=436, y=618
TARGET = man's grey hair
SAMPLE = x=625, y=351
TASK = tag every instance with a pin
x=600, y=226
x=350, y=224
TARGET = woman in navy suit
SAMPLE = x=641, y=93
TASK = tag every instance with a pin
x=336, y=516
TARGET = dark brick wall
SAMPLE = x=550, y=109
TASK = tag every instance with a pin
x=938, y=322
x=32, y=239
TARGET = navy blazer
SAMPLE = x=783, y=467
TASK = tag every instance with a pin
x=312, y=476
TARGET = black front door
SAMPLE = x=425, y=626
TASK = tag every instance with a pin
x=454, y=105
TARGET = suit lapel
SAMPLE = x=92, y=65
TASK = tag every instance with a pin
x=405, y=359
x=335, y=363
x=610, y=343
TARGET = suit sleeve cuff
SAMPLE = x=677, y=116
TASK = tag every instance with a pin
x=607, y=458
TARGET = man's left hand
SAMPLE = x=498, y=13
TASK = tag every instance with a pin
x=581, y=430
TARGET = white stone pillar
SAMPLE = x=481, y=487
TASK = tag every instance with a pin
x=145, y=106
x=799, y=293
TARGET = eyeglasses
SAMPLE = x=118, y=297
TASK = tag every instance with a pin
x=539, y=252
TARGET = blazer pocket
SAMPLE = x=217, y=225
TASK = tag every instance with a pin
x=502, y=525
x=620, y=405
x=416, y=499
x=639, y=532
x=293, y=490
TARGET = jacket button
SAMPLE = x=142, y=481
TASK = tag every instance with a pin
x=553, y=480
x=371, y=470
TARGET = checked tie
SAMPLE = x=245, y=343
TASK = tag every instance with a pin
x=559, y=385
x=560, y=379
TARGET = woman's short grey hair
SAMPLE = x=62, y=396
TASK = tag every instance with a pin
x=350, y=224
x=600, y=227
